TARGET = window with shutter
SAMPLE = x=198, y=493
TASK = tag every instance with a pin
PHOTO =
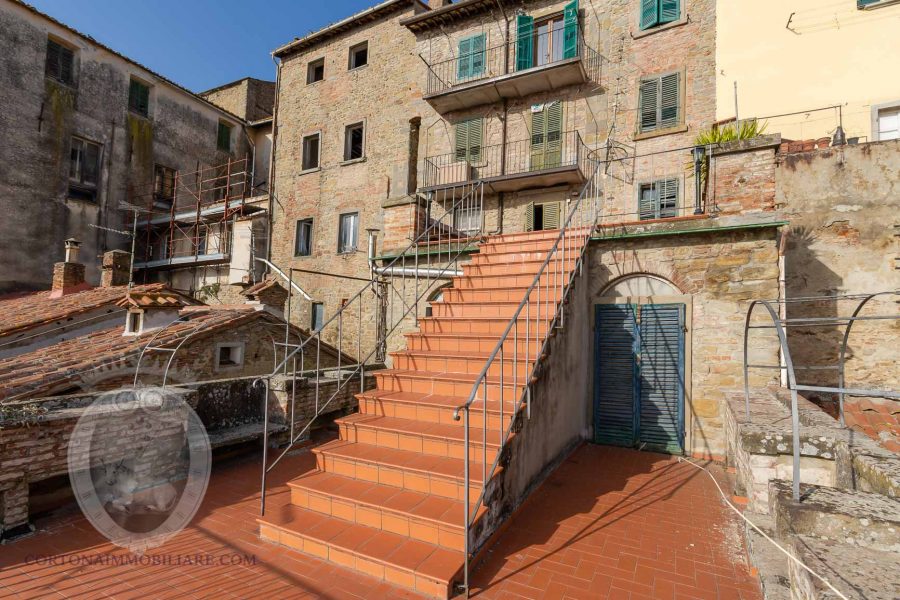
x=84, y=169
x=529, y=217
x=468, y=140
x=60, y=63
x=659, y=12
x=470, y=58
x=223, y=139
x=658, y=199
x=660, y=102
x=551, y=216
x=139, y=98
x=570, y=39
x=546, y=135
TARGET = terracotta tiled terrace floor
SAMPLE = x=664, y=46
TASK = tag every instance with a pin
x=609, y=523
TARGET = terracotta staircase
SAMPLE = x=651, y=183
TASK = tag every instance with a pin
x=386, y=498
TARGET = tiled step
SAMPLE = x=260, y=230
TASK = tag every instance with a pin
x=430, y=408
x=513, y=256
x=548, y=234
x=463, y=362
x=422, y=517
x=523, y=280
x=398, y=559
x=432, y=439
x=555, y=265
x=500, y=294
x=484, y=325
x=474, y=343
x=445, y=384
x=428, y=474
x=465, y=310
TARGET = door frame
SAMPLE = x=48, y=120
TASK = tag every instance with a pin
x=686, y=300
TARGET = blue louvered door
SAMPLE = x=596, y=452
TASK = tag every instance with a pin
x=639, y=376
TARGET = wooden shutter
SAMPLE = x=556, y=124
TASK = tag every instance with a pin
x=669, y=10
x=615, y=374
x=668, y=198
x=669, y=100
x=462, y=140
x=59, y=63
x=525, y=42
x=649, y=104
x=553, y=151
x=661, y=368
x=648, y=201
x=477, y=57
x=463, y=59
x=649, y=13
x=475, y=132
x=570, y=35
x=467, y=143
x=551, y=216
x=538, y=137
x=139, y=97
x=529, y=217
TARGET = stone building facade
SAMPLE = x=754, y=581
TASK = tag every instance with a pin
x=89, y=132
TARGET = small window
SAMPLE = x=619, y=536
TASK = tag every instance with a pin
x=60, y=64
x=223, y=141
x=348, y=231
x=303, y=238
x=133, y=322
x=139, y=98
x=311, y=151
x=84, y=169
x=659, y=12
x=315, y=71
x=354, y=141
x=229, y=355
x=658, y=200
x=660, y=102
x=318, y=316
x=163, y=183
x=359, y=56
x=467, y=219
x=888, y=124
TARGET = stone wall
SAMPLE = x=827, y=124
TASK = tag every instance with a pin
x=843, y=204
x=38, y=120
x=718, y=275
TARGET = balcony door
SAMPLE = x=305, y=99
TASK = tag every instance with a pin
x=546, y=135
x=548, y=40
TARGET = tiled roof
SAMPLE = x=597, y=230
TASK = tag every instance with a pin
x=260, y=286
x=34, y=310
x=73, y=362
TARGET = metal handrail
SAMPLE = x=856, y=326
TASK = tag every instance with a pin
x=502, y=59
x=438, y=227
x=568, y=249
x=779, y=324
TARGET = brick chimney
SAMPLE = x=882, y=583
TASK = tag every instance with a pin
x=116, y=268
x=68, y=276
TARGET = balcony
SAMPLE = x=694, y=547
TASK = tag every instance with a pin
x=489, y=75
x=562, y=159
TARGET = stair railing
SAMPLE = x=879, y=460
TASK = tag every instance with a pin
x=540, y=312
x=334, y=354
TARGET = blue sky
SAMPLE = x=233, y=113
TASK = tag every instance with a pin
x=200, y=44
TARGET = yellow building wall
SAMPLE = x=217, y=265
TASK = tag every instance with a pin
x=834, y=54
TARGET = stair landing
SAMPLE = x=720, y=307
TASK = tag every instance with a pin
x=387, y=498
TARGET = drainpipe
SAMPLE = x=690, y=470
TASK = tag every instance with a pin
x=403, y=271
x=278, y=65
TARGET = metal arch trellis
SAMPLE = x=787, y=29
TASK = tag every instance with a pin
x=780, y=324
x=171, y=350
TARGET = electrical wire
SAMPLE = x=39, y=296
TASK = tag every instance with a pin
x=760, y=531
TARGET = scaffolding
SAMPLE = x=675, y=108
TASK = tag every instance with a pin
x=186, y=218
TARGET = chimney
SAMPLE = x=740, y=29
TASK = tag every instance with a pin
x=116, y=268
x=68, y=276
x=267, y=293
x=436, y=4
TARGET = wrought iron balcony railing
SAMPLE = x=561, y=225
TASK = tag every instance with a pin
x=518, y=158
x=527, y=54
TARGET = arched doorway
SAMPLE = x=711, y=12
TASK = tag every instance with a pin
x=641, y=364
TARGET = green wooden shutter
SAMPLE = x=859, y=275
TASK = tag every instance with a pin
x=538, y=137
x=551, y=216
x=649, y=94
x=669, y=10
x=649, y=13
x=462, y=140
x=529, y=217
x=467, y=143
x=570, y=35
x=477, y=60
x=615, y=374
x=661, y=375
x=669, y=100
x=463, y=59
x=525, y=42
x=553, y=150
x=475, y=132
